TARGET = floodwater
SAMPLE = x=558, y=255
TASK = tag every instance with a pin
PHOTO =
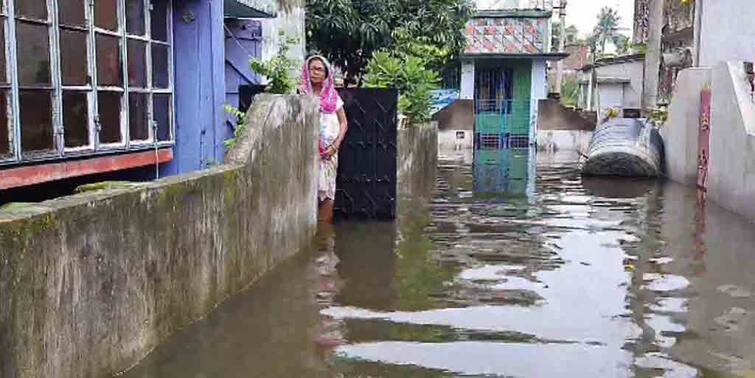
x=508, y=264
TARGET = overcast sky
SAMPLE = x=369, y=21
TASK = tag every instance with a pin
x=584, y=13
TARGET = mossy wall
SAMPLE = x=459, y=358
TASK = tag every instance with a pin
x=417, y=161
x=90, y=283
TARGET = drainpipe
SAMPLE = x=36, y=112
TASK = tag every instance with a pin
x=653, y=55
x=698, y=32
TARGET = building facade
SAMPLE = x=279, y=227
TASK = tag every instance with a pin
x=504, y=69
x=90, y=87
x=612, y=83
x=641, y=27
x=677, y=43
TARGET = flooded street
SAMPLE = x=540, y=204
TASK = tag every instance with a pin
x=505, y=263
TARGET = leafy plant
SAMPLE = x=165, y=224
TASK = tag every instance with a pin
x=612, y=113
x=409, y=45
x=384, y=71
x=349, y=32
x=234, y=111
x=659, y=116
x=278, y=70
x=241, y=126
x=569, y=91
x=623, y=44
x=639, y=48
x=410, y=75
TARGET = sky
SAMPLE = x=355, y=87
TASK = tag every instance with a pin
x=583, y=14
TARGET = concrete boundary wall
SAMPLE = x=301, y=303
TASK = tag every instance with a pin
x=731, y=177
x=417, y=159
x=554, y=116
x=564, y=140
x=680, y=133
x=90, y=283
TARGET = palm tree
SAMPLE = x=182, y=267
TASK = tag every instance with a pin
x=607, y=28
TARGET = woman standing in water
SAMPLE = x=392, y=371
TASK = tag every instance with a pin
x=318, y=80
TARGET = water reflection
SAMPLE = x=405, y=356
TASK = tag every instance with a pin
x=504, y=264
x=508, y=172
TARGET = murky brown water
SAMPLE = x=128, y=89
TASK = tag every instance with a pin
x=514, y=268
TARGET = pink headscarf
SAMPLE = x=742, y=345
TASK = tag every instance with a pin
x=328, y=95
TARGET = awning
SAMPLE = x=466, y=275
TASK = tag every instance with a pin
x=251, y=8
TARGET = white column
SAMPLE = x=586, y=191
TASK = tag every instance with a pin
x=538, y=91
x=467, y=80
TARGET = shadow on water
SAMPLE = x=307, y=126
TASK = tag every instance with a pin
x=502, y=263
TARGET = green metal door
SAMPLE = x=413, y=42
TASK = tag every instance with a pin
x=520, y=114
x=502, y=104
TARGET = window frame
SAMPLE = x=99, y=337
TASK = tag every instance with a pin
x=93, y=88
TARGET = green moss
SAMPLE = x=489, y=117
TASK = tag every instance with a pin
x=230, y=185
x=41, y=224
x=171, y=196
x=107, y=185
x=16, y=235
x=21, y=207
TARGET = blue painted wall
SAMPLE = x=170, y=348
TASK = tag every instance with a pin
x=199, y=85
x=243, y=41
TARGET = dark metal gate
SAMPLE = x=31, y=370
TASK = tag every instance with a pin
x=366, y=185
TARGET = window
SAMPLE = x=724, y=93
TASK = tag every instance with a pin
x=79, y=77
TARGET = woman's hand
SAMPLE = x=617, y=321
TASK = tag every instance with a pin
x=332, y=150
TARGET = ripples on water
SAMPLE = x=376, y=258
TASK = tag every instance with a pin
x=506, y=264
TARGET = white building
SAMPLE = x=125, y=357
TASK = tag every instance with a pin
x=617, y=83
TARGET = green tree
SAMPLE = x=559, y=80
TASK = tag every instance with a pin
x=278, y=70
x=349, y=32
x=571, y=35
x=607, y=28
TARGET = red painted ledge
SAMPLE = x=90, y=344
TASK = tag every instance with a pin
x=37, y=174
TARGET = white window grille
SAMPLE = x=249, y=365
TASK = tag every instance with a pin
x=83, y=77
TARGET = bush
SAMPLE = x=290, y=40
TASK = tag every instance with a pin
x=569, y=91
x=278, y=70
x=280, y=73
x=241, y=125
x=410, y=75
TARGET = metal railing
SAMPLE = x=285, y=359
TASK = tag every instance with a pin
x=501, y=116
x=502, y=123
